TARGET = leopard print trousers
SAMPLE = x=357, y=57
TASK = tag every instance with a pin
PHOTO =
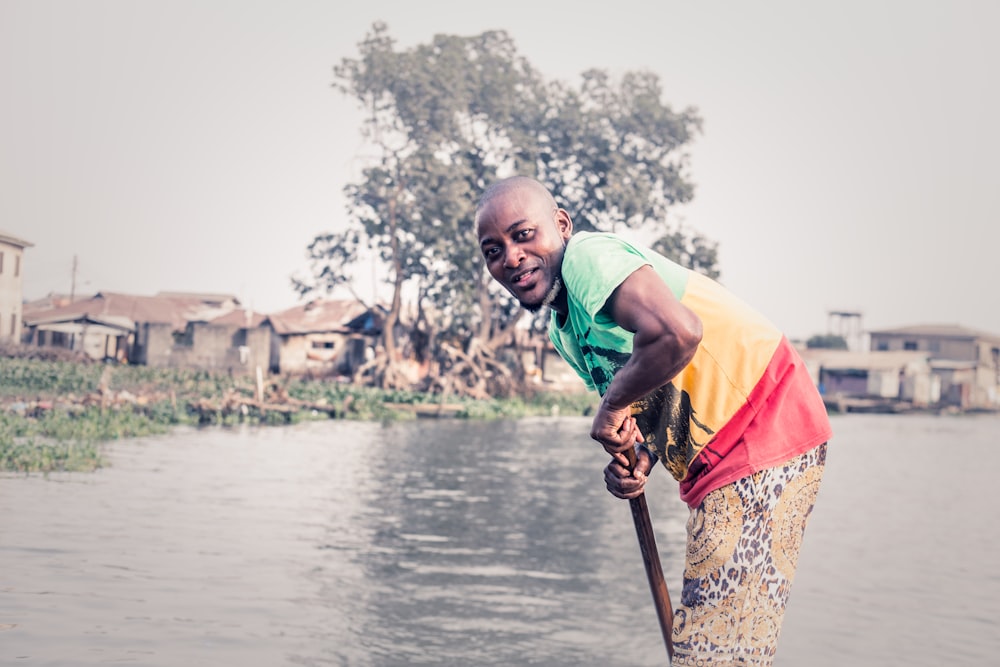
x=743, y=545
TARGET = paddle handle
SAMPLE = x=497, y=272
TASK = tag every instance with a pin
x=651, y=559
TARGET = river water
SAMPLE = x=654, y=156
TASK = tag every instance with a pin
x=473, y=543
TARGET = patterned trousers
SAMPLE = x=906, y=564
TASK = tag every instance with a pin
x=743, y=545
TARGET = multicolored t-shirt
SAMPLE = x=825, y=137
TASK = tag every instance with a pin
x=745, y=403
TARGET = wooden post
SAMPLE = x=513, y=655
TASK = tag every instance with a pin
x=651, y=560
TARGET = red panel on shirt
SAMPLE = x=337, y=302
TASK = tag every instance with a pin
x=783, y=417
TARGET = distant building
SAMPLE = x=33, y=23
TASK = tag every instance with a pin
x=208, y=331
x=883, y=379
x=966, y=361
x=150, y=330
x=323, y=337
x=848, y=324
x=11, y=286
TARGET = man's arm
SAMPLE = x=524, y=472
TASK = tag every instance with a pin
x=666, y=337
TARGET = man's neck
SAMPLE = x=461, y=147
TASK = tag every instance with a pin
x=557, y=300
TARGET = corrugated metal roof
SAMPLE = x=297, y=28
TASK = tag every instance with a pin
x=323, y=315
x=176, y=311
x=14, y=240
x=204, y=297
x=240, y=317
x=50, y=320
x=874, y=360
x=938, y=330
x=53, y=300
x=106, y=326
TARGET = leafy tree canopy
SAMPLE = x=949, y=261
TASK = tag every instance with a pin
x=827, y=341
x=446, y=119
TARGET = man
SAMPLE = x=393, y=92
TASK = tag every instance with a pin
x=690, y=376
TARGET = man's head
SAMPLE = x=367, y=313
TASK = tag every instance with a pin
x=522, y=235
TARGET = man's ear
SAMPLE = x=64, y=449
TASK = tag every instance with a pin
x=564, y=223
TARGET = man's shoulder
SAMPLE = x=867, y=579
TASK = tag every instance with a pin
x=586, y=246
x=595, y=238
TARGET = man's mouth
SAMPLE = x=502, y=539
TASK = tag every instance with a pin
x=524, y=276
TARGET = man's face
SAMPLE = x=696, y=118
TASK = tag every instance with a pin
x=522, y=236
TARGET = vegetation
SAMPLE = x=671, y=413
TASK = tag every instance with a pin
x=55, y=415
x=446, y=119
x=827, y=341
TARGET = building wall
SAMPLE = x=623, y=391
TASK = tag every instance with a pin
x=96, y=341
x=321, y=353
x=849, y=384
x=292, y=357
x=155, y=344
x=956, y=385
x=938, y=347
x=986, y=387
x=988, y=354
x=921, y=389
x=883, y=383
x=206, y=346
x=258, y=341
x=11, y=290
x=977, y=388
x=203, y=346
x=98, y=345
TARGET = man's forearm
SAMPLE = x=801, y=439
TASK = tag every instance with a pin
x=653, y=364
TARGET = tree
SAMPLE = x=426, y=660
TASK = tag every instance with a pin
x=449, y=117
x=691, y=250
x=827, y=341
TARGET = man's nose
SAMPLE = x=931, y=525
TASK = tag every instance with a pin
x=513, y=257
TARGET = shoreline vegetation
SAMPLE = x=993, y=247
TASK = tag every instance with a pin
x=57, y=414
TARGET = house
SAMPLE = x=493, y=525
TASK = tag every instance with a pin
x=240, y=340
x=885, y=379
x=53, y=300
x=208, y=331
x=99, y=336
x=236, y=341
x=151, y=330
x=966, y=361
x=324, y=336
x=11, y=286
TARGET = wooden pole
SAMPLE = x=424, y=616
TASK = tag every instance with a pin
x=651, y=559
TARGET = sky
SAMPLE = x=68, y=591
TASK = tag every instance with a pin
x=849, y=159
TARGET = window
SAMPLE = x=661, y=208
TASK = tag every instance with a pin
x=882, y=346
x=17, y=265
x=910, y=345
x=13, y=324
x=1, y=262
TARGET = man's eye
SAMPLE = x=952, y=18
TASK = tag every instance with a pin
x=522, y=234
x=491, y=252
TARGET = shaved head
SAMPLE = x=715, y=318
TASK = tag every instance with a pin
x=508, y=185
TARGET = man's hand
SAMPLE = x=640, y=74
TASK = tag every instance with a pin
x=615, y=428
x=625, y=484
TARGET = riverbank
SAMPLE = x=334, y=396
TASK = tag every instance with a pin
x=55, y=414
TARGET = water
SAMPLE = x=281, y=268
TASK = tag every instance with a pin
x=465, y=543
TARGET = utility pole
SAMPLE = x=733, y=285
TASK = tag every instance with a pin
x=72, y=284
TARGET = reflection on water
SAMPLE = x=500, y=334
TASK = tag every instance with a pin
x=463, y=543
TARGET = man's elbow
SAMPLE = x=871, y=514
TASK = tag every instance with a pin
x=688, y=337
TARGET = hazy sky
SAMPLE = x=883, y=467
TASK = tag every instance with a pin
x=849, y=158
